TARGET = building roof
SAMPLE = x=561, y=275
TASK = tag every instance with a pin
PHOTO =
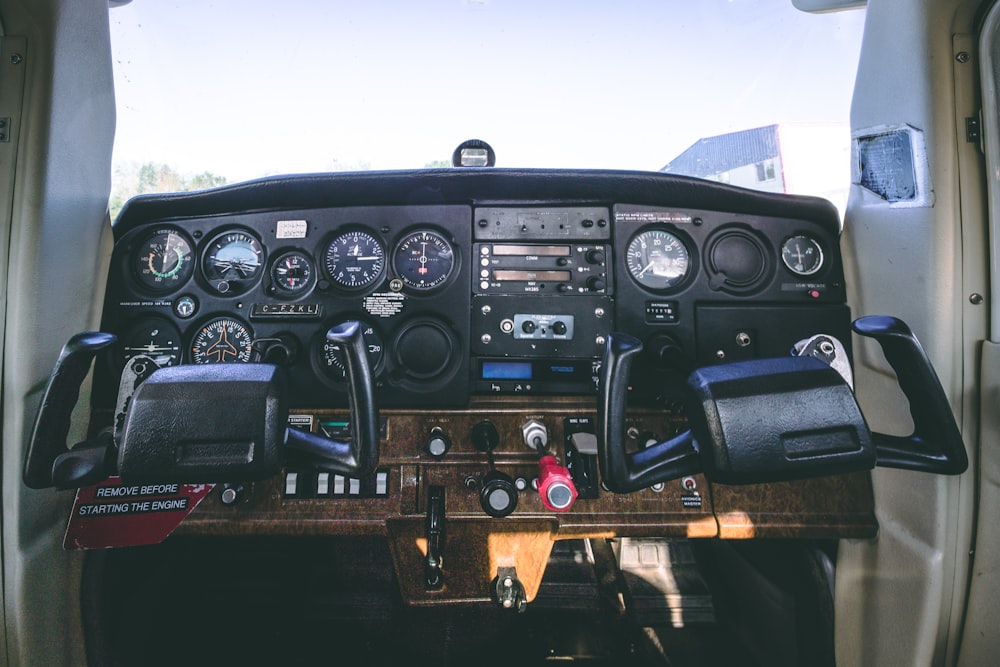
x=725, y=152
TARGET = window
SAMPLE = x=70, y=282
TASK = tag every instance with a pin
x=212, y=93
x=765, y=171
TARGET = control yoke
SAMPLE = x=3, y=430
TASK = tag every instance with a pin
x=780, y=419
x=196, y=423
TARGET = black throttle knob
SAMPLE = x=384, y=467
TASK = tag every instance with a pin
x=484, y=436
x=498, y=495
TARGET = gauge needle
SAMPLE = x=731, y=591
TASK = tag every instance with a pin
x=646, y=268
x=423, y=259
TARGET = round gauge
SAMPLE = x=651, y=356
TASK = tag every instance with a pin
x=163, y=261
x=802, y=255
x=423, y=260
x=292, y=273
x=355, y=259
x=330, y=359
x=155, y=338
x=221, y=341
x=233, y=262
x=657, y=259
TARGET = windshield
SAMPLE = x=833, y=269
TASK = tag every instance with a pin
x=754, y=93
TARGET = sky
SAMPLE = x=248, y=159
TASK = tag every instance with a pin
x=247, y=88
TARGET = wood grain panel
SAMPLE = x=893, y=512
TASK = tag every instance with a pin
x=831, y=507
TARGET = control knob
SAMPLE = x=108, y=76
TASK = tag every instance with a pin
x=498, y=495
x=484, y=436
x=596, y=283
x=438, y=443
x=555, y=485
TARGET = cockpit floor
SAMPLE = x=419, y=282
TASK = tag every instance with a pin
x=335, y=601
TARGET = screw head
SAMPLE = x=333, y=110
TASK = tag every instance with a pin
x=962, y=57
x=16, y=59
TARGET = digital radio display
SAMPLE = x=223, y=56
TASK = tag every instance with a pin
x=536, y=250
x=507, y=370
x=527, y=276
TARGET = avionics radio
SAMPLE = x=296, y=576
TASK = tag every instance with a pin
x=523, y=339
x=536, y=268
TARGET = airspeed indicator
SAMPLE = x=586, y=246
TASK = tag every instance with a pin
x=162, y=262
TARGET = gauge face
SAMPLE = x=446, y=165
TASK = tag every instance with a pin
x=163, y=262
x=802, y=255
x=233, y=262
x=423, y=260
x=155, y=338
x=355, y=259
x=657, y=259
x=292, y=273
x=221, y=341
x=331, y=360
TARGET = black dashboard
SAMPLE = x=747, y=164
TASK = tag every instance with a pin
x=473, y=283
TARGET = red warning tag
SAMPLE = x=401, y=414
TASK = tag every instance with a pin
x=111, y=514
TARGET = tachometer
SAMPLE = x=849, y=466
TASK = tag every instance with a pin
x=233, y=262
x=355, y=259
x=657, y=259
x=221, y=341
x=162, y=262
x=423, y=260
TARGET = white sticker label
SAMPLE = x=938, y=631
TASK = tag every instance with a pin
x=304, y=422
x=291, y=229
